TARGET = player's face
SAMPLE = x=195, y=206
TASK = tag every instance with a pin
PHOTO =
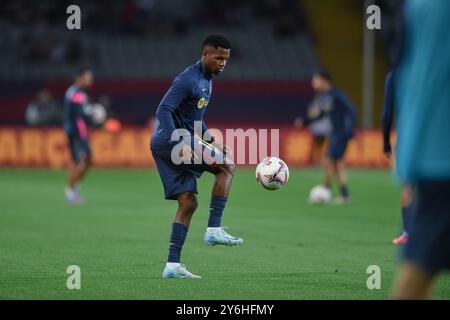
x=87, y=79
x=318, y=83
x=216, y=59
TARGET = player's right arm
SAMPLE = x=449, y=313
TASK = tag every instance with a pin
x=314, y=112
x=180, y=89
x=350, y=111
x=388, y=112
x=79, y=100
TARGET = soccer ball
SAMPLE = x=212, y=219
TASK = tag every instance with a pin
x=97, y=112
x=319, y=195
x=272, y=173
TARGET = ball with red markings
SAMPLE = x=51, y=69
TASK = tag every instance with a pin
x=96, y=112
x=272, y=173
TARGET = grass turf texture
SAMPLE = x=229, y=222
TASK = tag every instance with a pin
x=119, y=239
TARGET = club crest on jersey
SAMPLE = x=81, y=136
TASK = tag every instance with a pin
x=202, y=103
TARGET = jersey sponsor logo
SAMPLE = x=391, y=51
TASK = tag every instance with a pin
x=202, y=103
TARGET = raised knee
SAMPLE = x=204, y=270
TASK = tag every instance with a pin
x=406, y=198
x=190, y=203
x=229, y=169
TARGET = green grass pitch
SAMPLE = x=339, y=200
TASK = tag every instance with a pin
x=119, y=239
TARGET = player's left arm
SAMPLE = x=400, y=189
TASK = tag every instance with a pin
x=79, y=102
x=314, y=112
x=388, y=112
x=350, y=112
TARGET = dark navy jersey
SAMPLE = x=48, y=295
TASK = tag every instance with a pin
x=388, y=108
x=184, y=103
x=342, y=114
x=75, y=118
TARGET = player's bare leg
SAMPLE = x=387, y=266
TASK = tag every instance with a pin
x=340, y=173
x=76, y=172
x=329, y=173
x=316, y=151
x=72, y=174
x=187, y=204
x=412, y=282
x=224, y=177
x=339, y=169
x=215, y=234
x=84, y=166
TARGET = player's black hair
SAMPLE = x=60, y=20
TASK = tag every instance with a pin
x=216, y=40
x=324, y=74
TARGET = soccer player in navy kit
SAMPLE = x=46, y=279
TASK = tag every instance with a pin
x=184, y=104
x=387, y=119
x=341, y=112
x=76, y=128
x=320, y=128
x=422, y=103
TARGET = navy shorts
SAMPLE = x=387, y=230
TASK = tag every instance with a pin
x=79, y=148
x=179, y=178
x=336, y=148
x=428, y=243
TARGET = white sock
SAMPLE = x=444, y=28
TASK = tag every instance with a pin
x=212, y=229
x=172, y=265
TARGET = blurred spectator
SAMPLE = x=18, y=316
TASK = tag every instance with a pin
x=58, y=52
x=43, y=111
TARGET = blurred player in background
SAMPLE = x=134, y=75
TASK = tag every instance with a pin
x=422, y=101
x=184, y=103
x=320, y=127
x=387, y=119
x=335, y=105
x=76, y=128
